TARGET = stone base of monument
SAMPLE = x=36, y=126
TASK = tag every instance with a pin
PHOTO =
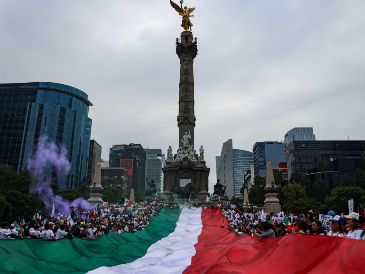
x=202, y=197
x=178, y=175
x=95, y=198
x=272, y=203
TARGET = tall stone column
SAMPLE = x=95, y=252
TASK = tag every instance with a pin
x=187, y=50
x=186, y=164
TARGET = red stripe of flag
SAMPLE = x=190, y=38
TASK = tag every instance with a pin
x=220, y=251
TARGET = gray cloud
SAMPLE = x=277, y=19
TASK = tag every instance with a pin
x=263, y=67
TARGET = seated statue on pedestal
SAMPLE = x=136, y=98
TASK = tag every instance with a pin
x=186, y=152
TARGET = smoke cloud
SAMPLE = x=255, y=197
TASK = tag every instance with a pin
x=49, y=154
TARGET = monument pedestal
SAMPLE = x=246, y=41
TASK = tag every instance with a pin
x=179, y=175
x=96, y=188
x=95, y=196
x=272, y=202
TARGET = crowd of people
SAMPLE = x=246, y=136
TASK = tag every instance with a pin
x=85, y=224
x=265, y=225
x=91, y=224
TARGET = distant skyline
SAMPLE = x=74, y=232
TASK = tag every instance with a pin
x=263, y=67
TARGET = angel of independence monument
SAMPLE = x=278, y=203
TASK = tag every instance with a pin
x=186, y=166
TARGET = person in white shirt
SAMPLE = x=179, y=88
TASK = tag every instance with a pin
x=91, y=232
x=34, y=232
x=47, y=233
x=337, y=227
x=13, y=230
x=352, y=227
x=61, y=232
x=5, y=232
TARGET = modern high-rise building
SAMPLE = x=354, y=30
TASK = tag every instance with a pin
x=29, y=111
x=231, y=166
x=305, y=157
x=264, y=152
x=114, y=177
x=154, y=158
x=94, y=158
x=132, y=158
x=299, y=134
x=242, y=161
x=250, y=177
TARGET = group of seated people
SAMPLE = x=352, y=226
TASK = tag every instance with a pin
x=89, y=225
x=272, y=226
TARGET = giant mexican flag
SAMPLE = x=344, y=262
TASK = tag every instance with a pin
x=185, y=241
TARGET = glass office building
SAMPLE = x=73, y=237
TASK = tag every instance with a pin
x=305, y=157
x=132, y=158
x=242, y=161
x=264, y=152
x=231, y=166
x=29, y=111
x=299, y=134
x=154, y=167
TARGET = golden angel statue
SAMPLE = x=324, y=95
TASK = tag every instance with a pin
x=184, y=13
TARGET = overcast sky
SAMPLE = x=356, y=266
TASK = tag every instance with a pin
x=263, y=67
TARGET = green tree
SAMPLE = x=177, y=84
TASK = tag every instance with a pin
x=7, y=176
x=6, y=209
x=84, y=190
x=139, y=196
x=339, y=196
x=259, y=181
x=112, y=194
x=359, y=178
x=298, y=178
x=256, y=194
x=317, y=191
x=347, y=181
x=278, y=177
x=294, y=199
x=70, y=194
x=15, y=201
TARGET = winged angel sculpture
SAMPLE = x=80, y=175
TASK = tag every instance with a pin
x=184, y=13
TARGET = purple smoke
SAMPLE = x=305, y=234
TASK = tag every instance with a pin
x=49, y=154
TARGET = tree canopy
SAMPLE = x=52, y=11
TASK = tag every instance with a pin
x=15, y=201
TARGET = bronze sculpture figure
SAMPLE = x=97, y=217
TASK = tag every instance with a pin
x=184, y=13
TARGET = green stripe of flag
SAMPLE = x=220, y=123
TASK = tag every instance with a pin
x=80, y=256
